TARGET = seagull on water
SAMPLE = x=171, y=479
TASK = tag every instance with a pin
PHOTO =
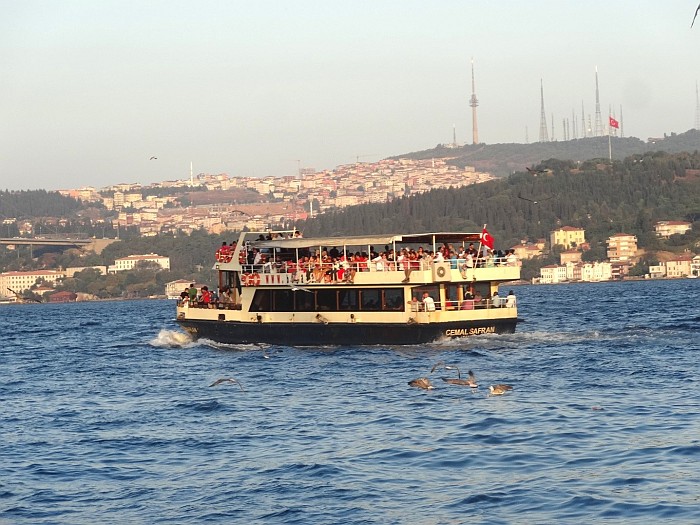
x=499, y=390
x=227, y=380
x=421, y=382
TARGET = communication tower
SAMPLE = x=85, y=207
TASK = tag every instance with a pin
x=473, y=102
x=598, y=130
x=544, y=137
x=697, y=107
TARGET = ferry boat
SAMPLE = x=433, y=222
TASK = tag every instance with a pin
x=278, y=288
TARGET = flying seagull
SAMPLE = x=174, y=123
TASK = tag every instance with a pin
x=421, y=382
x=534, y=202
x=153, y=158
x=499, y=390
x=535, y=171
x=470, y=382
x=695, y=16
x=227, y=380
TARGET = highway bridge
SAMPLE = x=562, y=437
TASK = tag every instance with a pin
x=96, y=245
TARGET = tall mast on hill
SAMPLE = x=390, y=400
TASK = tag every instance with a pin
x=544, y=137
x=697, y=107
x=473, y=102
x=598, y=119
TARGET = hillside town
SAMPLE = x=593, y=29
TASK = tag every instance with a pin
x=235, y=203
x=293, y=197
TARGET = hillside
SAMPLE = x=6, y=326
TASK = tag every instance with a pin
x=505, y=159
x=627, y=198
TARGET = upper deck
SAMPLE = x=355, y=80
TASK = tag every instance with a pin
x=262, y=260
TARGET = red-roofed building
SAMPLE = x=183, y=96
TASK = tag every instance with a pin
x=667, y=228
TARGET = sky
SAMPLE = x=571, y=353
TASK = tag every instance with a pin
x=91, y=90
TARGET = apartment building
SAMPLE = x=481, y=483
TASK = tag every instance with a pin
x=622, y=247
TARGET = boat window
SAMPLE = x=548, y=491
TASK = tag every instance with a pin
x=393, y=299
x=326, y=300
x=304, y=301
x=261, y=301
x=348, y=299
x=452, y=296
x=371, y=299
x=283, y=301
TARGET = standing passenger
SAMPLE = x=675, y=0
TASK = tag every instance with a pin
x=428, y=302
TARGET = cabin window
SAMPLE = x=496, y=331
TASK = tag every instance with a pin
x=393, y=299
x=304, y=301
x=348, y=299
x=452, y=296
x=326, y=300
x=283, y=301
x=371, y=299
x=261, y=301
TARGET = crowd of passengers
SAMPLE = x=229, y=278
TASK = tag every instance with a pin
x=333, y=266
x=205, y=298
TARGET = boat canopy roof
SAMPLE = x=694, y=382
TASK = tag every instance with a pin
x=370, y=240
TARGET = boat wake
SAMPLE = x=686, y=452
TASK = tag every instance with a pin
x=172, y=339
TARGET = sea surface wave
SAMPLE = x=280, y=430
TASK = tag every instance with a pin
x=108, y=416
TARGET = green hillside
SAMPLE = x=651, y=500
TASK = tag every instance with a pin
x=627, y=197
x=505, y=159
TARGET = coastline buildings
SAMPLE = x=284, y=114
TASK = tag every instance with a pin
x=131, y=261
x=23, y=281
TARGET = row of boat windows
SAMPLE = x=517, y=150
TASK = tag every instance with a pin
x=334, y=300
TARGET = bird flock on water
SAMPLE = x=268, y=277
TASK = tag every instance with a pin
x=424, y=383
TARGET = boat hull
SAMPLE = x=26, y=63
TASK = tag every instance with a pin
x=320, y=334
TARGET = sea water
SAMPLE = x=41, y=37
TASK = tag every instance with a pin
x=107, y=416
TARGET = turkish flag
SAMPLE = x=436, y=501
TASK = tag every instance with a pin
x=614, y=123
x=486, y=239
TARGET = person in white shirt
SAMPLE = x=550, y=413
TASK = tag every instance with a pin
x=428, y=302
x=510, y=300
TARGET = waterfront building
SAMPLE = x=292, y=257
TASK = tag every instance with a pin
x=130, y=262
x=568, y=237
x=622, y=247
x=667, y=228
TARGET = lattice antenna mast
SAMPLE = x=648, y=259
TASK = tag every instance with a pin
x=598, y=130
x=473, y=102
x=544, y=137
x=583, y=122
x=697, y=107
x=622, y=123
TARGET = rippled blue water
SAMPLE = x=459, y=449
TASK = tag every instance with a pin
x=107, y=419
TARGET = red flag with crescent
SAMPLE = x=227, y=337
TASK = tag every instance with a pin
x=486, y=238
x=614, y=123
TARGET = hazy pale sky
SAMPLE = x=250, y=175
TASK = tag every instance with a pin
x=91, y=89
